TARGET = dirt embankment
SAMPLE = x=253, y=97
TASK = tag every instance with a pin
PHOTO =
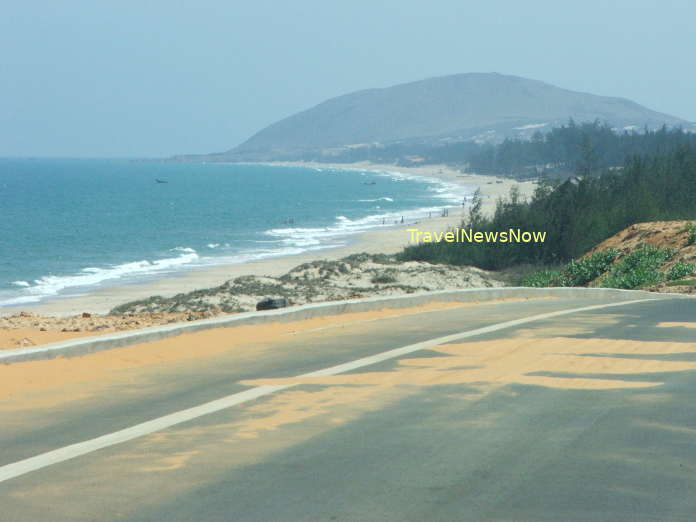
x=663, y=234
x=677, y=236
x=24, y=330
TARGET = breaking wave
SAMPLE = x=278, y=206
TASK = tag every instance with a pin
x=49, y=285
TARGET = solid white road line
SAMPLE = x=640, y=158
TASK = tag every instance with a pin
x=49, y=458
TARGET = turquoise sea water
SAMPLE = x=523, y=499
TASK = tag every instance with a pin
x=68, y=226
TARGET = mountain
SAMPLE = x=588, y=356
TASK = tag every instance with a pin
x=472, y=106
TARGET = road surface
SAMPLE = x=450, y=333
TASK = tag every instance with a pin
x=589, y=415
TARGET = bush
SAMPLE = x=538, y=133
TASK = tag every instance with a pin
x=639, y=268
x=382, y=279
x=545, y=278
x=575, y=273
x=690, y=234
x=587, y=269
x=679, y=270
x=683, y=282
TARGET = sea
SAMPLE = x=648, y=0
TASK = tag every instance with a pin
x=70, y=226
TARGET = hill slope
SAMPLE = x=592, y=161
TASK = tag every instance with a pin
x=658, y=255
x=679, y=237
x=450, y=108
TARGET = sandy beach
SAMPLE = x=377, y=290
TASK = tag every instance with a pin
x=386, y=240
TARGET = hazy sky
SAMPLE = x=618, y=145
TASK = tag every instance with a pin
x=153, y=78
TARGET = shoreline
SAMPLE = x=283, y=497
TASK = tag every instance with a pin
x=389, y=240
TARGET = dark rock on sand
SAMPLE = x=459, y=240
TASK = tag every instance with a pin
x=271, y=303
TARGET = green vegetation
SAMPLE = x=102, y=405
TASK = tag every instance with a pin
x=546, y=278
x=575, y=148
x=679, y=270
x=639, y=268
x=682, y=282
x=690, y=234
x=579, y=213
x=642, y=267
x=575, y=273
x=591, y=267
x=383, y=279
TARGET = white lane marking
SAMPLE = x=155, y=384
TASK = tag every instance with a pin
x=22, y=467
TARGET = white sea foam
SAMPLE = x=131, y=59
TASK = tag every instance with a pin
x=21, y=283
x=258, y=254
x=213, y=245
x=532, y=126
x=344, y=227
x=376, y=199
x=50, y=285
x=452, y=193
x=186, y=250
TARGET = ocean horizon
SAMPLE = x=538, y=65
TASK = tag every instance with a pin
x=70, y=226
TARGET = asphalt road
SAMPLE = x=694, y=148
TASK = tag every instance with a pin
x=584, y=416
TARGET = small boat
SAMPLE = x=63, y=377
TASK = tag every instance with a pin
x=161, y=180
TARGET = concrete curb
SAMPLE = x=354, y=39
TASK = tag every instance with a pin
x=86, y=345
